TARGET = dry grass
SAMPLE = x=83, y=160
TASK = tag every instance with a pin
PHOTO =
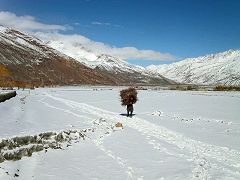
x=128, y=96
x=227, y=88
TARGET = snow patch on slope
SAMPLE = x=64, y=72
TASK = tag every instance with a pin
x=25, y=42
x=88, y=58
x=221, y=68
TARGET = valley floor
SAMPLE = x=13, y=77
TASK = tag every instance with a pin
x=172, y=135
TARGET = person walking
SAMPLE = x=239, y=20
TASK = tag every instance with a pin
x=130, y=107
x=128, y=98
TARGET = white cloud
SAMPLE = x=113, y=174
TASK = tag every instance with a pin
x=26, y=23
x=74, y=42
x=76, y=24
x=68, y=43
x=106, y=24
x=101, y=23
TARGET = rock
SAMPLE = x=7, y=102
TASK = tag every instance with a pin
x=1, y=158
x=3, y=143
x=119, y=125
x=24, y=140
x=59, y=138
x=47, y=135
x=39, y=148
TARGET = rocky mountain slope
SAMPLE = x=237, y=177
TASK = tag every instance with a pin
x=115, y=67
x=28, y=59
x=215, y=69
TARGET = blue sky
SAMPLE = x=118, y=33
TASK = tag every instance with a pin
x=182, y=28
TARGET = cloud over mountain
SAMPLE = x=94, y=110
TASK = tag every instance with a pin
x=26, y=23
x=52, y=32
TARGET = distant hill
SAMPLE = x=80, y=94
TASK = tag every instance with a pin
x=215, y=69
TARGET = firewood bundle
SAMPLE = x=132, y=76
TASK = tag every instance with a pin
x=128, y=96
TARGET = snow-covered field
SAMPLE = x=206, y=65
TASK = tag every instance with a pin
x=173, y=135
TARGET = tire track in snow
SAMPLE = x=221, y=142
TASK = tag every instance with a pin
x=224, y=157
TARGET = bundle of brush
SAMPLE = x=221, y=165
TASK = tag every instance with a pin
x=128, y=96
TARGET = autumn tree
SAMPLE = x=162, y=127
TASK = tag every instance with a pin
x=5, y=76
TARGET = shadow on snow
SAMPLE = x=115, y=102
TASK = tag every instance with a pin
x=123, y=114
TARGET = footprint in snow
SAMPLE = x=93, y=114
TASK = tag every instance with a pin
x=156, y=113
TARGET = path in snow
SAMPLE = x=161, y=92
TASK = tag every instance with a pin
x=204, y=156
x=166, y=153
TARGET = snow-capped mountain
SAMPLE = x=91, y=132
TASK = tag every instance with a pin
x=215, y=69
x=88, y=58
x=113, y=66
x=92, y=60
x=30, y=60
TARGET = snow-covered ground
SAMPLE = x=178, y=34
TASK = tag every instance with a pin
x=173, y=135
x=5, y=91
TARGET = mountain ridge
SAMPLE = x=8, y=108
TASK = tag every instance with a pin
x=30, y=60
x=113, y=66
x=214, y=69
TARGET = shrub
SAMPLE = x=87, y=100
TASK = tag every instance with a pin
x=226, y=88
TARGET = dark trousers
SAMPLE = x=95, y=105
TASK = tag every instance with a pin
x=129, y=110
